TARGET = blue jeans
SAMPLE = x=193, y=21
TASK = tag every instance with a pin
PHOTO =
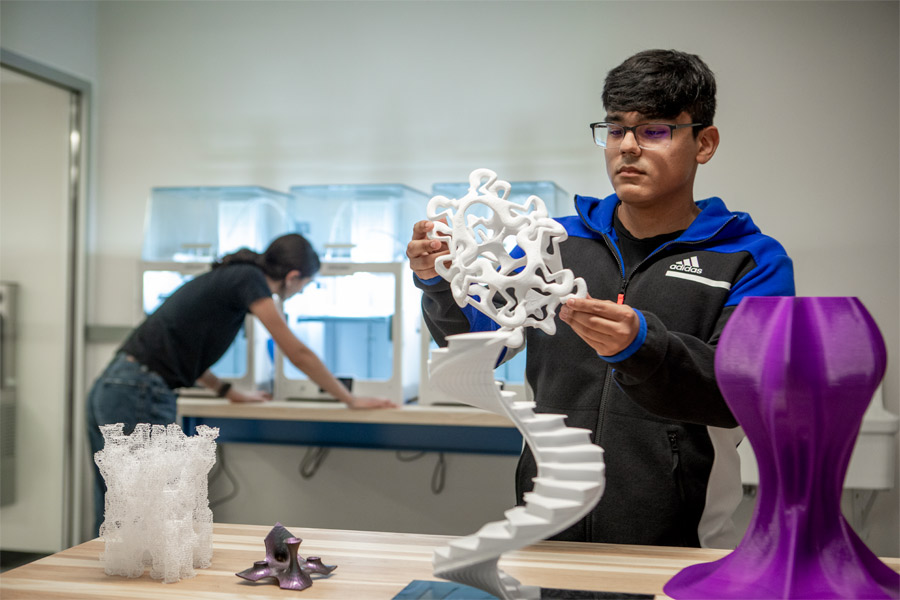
x=127, y=393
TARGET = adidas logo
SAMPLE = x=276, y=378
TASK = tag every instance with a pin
x=689, y=265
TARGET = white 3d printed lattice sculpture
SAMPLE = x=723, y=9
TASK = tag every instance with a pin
x=516, y=293
x=157, y=508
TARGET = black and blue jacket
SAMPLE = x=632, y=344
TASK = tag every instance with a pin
x=672, y=469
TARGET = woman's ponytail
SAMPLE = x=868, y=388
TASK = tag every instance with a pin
x=285, y=254
x=244, y=256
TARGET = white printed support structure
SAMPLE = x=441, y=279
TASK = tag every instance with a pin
x=571, y=470
x=157, y=505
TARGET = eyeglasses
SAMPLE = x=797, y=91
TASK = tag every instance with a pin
x=650, y=136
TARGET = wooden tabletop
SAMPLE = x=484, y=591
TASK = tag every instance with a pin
x=301, y=410
x=371, y=566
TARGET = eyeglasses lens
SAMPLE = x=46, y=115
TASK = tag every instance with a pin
x=647, y=136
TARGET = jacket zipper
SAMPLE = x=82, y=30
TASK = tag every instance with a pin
x=665, y=246
x=601, y=416
x=676, y=463
x=601, y=412
x=607, y=380
x=679, y=480
x=620, y=299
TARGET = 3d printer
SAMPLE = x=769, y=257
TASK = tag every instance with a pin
x=360, y=314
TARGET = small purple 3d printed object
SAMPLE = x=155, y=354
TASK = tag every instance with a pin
x=798, y=374
x=283, y=563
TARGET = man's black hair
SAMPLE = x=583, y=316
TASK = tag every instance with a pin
x=661, y=84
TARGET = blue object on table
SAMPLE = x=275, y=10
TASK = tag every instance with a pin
x=449, y=590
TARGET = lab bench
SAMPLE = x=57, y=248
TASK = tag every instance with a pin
x=308, y=423
x=371, y=565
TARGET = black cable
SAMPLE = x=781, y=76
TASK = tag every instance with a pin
x=221, y=467
x=312, y=461
x=410, y=457
x=217, y=467
x=438, y=476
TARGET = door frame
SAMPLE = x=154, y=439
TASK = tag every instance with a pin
x=79, y=186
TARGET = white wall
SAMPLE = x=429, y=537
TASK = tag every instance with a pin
x=282, y=93
x=285, y=93
x=59, y=34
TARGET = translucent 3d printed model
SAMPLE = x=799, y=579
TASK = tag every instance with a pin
x=516, y=292
x=798, y=374
x=292, y=572
x=157, y=508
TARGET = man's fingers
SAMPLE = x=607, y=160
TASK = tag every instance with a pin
x=594, y=327
x=426, y=262
x=601, y=308
x=422, y=251
x=421, y=229
x=422, y=247
x=606, y=334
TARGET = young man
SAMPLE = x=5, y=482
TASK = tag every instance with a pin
x=664, y=273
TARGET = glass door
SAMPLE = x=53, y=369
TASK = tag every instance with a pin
x=39, y=184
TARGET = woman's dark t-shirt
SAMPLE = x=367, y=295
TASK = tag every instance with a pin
x=194, y=327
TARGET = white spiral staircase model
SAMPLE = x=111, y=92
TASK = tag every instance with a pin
x=570, y=469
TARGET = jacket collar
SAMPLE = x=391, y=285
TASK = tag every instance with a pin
x=597, y=215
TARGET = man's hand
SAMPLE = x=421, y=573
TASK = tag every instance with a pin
x=368, y=402
x=607, y=327
x=422, y=251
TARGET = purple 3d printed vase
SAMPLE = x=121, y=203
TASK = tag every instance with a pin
x=798, y=374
